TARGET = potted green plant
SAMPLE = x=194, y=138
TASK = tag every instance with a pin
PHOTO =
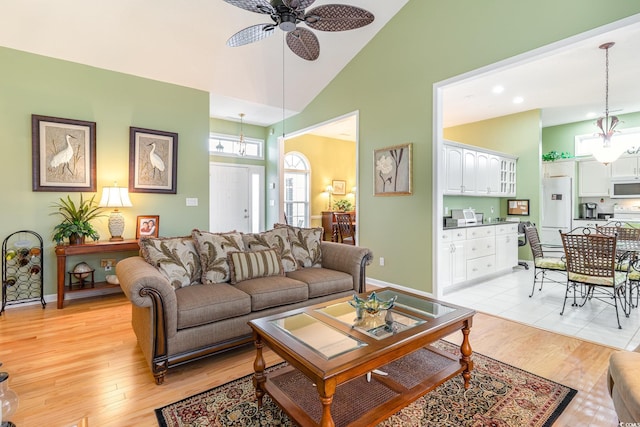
x=343, y=205
x=75, y=225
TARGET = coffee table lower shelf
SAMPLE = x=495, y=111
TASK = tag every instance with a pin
x=361, y=403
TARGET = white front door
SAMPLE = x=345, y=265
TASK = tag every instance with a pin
x=236, y=197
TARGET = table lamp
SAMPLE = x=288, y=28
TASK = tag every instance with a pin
x=115, y=197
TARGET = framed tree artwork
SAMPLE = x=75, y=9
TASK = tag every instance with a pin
x=63, y=154
x=153, y=161
x=392, y=168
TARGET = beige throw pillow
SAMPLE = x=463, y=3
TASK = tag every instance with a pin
x=251, y=265
x=277, y=239
x=213, y=249
x=305, y=245
x=176, y=258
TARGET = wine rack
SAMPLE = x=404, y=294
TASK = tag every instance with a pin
x=22, y=268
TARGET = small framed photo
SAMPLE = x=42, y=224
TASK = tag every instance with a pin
x=153, y=161
x=339, y=187
x=63, y=154
x=518, y=207
x=147, y=226
x=392, y=167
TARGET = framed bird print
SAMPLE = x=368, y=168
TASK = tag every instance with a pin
x=153, y=161
x=63, y=154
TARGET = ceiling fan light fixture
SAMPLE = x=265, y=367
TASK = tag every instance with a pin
x=287, y=22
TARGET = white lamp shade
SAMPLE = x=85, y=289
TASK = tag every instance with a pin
x=608, y=153
x=115, y=197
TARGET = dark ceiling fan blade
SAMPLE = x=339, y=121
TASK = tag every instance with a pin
x=257, y=6
x=304, y=43
x=298, y=4
x=337, y=17
x=251, y=34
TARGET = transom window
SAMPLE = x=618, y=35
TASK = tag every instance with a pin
x=296, y=189
x=629, y=138
x=229, y=146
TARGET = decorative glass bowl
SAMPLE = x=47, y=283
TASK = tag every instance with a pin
x=371, y=305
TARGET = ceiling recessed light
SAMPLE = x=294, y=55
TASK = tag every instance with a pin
x=497, y=89
x=518, y=100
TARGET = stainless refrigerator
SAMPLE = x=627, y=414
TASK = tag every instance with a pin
x=557, y=209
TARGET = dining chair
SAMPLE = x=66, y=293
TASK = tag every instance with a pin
x=345, y=230
x=591, y=271
x=545, y=259
x=628, y=248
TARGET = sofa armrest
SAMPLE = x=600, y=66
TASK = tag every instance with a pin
x=348, y=259
x=145, y=286
x=623, y=383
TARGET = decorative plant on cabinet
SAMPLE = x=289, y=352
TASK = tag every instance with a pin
x=75, y=225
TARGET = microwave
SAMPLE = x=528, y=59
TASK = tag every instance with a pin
x=625, y=189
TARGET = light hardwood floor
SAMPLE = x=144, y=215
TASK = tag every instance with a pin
x=83, y=363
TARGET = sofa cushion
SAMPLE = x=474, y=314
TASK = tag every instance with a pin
x=278, y=239
x=274, y=291
x=305, y=245
x=176, y=258
x=251, y=265
x=213, y=249
x=202, y=304
x=322, y=281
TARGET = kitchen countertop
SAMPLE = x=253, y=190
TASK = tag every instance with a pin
x=478, y=224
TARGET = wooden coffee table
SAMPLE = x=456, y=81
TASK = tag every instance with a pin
x=332, y=355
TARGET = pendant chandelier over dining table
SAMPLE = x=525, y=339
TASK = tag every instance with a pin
x=607, y=152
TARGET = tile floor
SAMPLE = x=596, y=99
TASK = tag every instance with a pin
x=508, y=297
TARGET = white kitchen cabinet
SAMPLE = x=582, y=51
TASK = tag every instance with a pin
x=472, y=172
x=626, y=167
x=470, y=253
x=506, y=246
x=452, y=257
x=586, y=223
x=469, y=175
x=459, y=170
x=507, y=177
x=593, y=179
x=452, y=170
x=480, y=250
x=487, y=174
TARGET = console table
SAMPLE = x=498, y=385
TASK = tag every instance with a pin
x=63, y=251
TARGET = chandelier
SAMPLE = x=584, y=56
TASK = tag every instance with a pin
x=607, y=153
x=242, y=145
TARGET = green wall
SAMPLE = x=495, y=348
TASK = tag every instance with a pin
x=33, y=84
x=390, y=82
x=330, y=159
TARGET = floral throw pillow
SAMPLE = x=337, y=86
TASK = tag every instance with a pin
x=305, y=245
x=277, y=239
x=176, y=258
x=213, y=249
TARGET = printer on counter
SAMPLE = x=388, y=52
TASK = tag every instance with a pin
x=460, y=217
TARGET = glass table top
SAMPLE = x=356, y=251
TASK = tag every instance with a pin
x=381, y=325
x=329, y=341
x=317, y=335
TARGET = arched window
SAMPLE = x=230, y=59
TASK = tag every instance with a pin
x=296, y=189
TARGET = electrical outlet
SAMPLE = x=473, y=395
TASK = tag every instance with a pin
x=382, y=261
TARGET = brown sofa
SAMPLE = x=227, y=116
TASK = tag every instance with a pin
x=624, y=385
x=175, y=325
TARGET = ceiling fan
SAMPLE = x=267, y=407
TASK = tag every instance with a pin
x=287, y=14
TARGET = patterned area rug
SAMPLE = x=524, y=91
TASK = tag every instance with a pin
x=500, y=395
